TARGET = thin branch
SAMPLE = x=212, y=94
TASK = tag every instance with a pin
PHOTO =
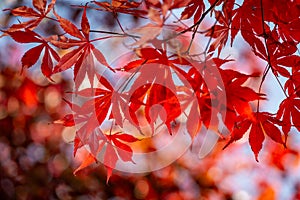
x=200, y=20
x=114, y=33
x=196, y=25
x=212, y=32
x=192, y=39
x=269, y=66
x=118, y=21
x=281, y=86
x=46, y=17
x=179, y=20
x=103, y=38
x=127, y=81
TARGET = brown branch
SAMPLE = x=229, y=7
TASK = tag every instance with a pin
x=114, y=33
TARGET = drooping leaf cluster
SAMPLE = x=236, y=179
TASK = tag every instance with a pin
x=196, y=85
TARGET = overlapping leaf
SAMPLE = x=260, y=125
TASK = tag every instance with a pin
x=238, y=96
x=246, y=20
x=289, y=113
x=272, y=31
x=81, y=58
x=33, y=54
x=155, y=94
x=260, y=124
x=220, y=31
x=194, y=8
x=122, y=6
x=115, y=147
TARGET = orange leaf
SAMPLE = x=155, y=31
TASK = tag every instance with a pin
x=88, y=160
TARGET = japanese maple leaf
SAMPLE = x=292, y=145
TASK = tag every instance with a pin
x=153, y=88
x=200, y=112
x=166, y=5
x=246, y=20
x=289, y=29
x=74, y=118
x=207, y=91
x=149, y=55
x=96, y=108
x=194, y=121
x=95, y=141
x=194, y=8
x=156, y=94
x=122, y=6
x=33, y=54
x=220, y=31
x=198, y=99
x=147, y=33
x=292, y=85
x=115, y=147
x=88, y=159
x=38, y=15
x=285, y=15
x=237, y=95
x=120, y=139
x=260, y=124
x=81, y=57
x=289, y=113
x=92, y=112
x=280, y=55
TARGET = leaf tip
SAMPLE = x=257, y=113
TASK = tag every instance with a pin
x=108, y=174
x=256, y=157
x=226, y=145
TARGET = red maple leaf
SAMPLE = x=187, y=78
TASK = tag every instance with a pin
x=292, y=85
x=155, y=94
x=238, y=96
x=280, y=55
x=289, y=113
x=153, y=88
x=246, y=20
x=115, y=147
x=33, y=54
x=38, y=16
x=220, y=31
x=81, y=57
x=122, y=6
x=96, y=109
x=260, y=124
x=194, y=8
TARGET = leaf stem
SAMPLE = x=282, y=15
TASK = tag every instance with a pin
x=267, y=68
x=51, y=18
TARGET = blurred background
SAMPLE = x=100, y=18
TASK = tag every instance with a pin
x=36, y=155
